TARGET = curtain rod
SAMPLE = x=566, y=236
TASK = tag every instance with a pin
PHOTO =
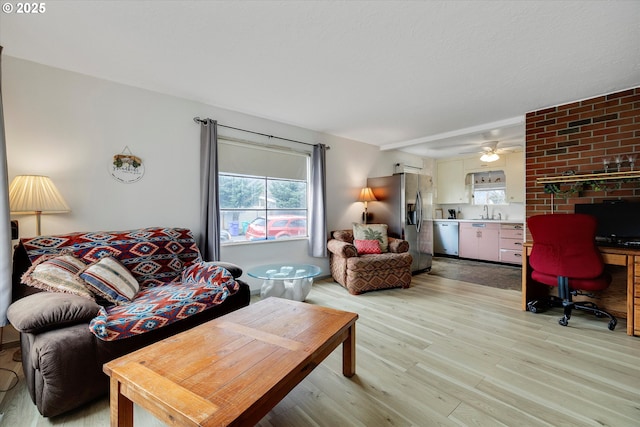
x=199, y=120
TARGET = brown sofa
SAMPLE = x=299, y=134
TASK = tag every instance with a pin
x=368, y=272
x=62, y=358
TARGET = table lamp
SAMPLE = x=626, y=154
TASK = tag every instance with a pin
x=366, y=195
x=29, y=194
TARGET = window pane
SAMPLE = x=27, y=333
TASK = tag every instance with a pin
x=234, y=224
x=285, y=224
x=489, y=197
x=287, y=194
x=237, y=192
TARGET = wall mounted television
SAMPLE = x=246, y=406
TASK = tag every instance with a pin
x=618, y=221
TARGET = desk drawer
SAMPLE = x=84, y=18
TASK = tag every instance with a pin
x=614, y=259
x=511, y=256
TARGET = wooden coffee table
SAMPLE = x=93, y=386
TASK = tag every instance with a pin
x=232, y=370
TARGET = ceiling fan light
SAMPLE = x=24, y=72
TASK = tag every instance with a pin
x=489, y=157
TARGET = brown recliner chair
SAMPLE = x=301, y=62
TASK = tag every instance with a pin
x=368, y=272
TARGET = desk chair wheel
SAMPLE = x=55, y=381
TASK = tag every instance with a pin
x=532, y=306
x=612, y=324
x=563, y=321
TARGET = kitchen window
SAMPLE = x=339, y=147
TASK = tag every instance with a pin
x=489, y=188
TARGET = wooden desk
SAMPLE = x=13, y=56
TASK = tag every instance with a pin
x=625, y=257
x=232, y=370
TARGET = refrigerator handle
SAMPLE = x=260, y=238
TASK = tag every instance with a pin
x=419, y=211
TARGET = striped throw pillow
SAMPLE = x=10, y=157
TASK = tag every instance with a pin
x=57, y=273
x=111, y=280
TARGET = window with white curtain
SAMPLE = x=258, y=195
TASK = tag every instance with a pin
x=263, y=192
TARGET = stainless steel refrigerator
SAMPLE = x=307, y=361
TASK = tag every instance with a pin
x=405, y=204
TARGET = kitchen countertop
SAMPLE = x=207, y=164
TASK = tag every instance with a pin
x=499, y=221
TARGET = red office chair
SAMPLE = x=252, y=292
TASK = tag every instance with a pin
x=564, y=254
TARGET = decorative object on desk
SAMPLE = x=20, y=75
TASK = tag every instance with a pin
x=35, y=194
x=366, y=195
x=126, y=167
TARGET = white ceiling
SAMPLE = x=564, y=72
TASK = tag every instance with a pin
x=419, y=76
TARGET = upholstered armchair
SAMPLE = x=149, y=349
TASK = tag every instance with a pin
x=358, y=270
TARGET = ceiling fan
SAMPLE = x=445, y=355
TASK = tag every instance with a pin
x=490, y=151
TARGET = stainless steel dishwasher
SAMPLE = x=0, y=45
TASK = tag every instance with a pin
x=445, y=237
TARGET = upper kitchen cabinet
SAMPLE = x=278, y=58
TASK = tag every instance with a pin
x=514, y=170
x=451, y=182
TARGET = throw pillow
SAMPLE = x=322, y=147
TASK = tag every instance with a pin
x=367, y=247
x=111, y=280
x=57, y=273
x=372, y=232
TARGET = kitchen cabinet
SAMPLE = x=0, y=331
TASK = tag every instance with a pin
x=480, y=240
x=451, y=182
x=514, y=172
x=511, y=241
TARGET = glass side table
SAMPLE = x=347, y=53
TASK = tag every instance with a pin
x=290, y=281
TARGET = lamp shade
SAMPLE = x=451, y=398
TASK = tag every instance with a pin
x=35, y=193
x=489, y=157
x=366, y=195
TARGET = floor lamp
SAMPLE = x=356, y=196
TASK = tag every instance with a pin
x=34, y=194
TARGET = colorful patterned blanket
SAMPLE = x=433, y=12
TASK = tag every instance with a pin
x=174, y=282
x=155, y=307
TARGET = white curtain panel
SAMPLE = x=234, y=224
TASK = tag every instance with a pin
x=5, y=220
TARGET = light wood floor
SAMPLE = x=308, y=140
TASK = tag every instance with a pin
x=443, y=352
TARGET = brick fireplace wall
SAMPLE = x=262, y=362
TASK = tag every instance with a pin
x=576, y=137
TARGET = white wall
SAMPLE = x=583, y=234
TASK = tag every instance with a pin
x=68, y=126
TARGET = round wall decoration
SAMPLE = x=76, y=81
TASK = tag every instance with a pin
x=126, y=167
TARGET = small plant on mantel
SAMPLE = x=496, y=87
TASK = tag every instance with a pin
x=577, y=188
